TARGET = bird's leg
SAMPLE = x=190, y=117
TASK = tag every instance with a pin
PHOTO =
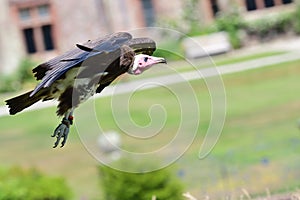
x=63, y=128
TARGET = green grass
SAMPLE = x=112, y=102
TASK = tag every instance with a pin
x=262, y=114
x=233, y=60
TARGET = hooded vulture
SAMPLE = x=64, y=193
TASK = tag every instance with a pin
x=78, y=74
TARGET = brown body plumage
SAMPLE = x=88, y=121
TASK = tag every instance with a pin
x=76, y=75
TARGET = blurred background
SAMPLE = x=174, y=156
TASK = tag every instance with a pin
x=255, y=43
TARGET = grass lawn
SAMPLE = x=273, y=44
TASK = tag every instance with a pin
x=258, y=148
x=225, y=60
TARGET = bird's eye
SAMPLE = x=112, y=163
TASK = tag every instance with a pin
x=145, y=59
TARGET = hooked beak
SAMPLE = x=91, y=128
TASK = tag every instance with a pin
x=139, y=66
x=159, y=60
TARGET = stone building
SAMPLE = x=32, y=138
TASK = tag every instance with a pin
x=42, y=29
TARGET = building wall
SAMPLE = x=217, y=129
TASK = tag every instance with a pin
x=11, y=50
x=123, y=14
x=76, y=21
x=166, y=9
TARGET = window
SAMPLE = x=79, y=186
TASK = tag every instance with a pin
x=251, y=5
x=148, y=12
x=24, y=14
x=214, y=7
x=29, y=39
x=286, y=1
x=43, y=10
x=37, y=28
x=269, y=3
x=47, y=37
x=260, y=4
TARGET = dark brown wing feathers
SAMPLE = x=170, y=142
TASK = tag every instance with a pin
x=113, y=54
x=23, y=101
x=40, y=70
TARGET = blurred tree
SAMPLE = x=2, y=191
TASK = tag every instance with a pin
x=16, y=81
x=231, y=22
x=25, y=70
x=296, y=25
x=191, y=17
x=270, y=27
x=9, y=83
x=18, y=184
x=127, y=186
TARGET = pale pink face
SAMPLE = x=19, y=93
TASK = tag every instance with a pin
x=143, y=62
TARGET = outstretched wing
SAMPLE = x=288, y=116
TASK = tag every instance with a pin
x=94, y=57
x=52, y=70
x=142, y=45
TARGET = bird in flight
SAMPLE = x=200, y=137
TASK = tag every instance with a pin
x=78, y=74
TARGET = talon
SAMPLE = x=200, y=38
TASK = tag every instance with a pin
x=55, y=144
x=62, y=131
x=57, y=131
x=65, y=136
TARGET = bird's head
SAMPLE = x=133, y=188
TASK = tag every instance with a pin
x=143, y=62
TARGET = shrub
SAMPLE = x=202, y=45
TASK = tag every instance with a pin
x=296, y=18
x=191, y=17
x=24, y=71
x=127, y=186
x=231, y=22
x=15, y=81
x=18, y=184
x=284, y=23
x=9, y=83
x=270, y=26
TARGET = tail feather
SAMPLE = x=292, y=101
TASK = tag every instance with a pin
x=21, y=102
